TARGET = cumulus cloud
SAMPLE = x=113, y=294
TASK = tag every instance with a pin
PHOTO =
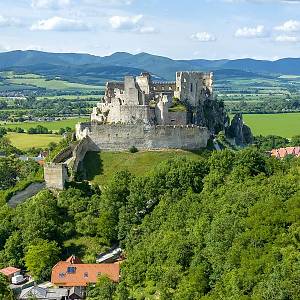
x=289, y=26
x=287, y=39
x=7, y=21
x=60, y=24
x=203, y=37
x=251, y=32
x=130, y=23
x=52, y=4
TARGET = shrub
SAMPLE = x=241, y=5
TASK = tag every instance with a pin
x=133, y=149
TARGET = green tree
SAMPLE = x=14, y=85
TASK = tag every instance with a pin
x=41, y=257
x=104, y=289
x=5, y=292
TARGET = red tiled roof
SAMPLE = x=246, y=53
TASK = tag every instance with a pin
x=9, y=271
x=82, y=274
x=283, y=152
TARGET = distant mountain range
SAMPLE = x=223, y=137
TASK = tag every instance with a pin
x=89, y=68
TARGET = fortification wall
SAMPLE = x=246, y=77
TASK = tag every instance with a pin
x=63, y=155
x=117, y=137
x=80, y=151
x=56, y=175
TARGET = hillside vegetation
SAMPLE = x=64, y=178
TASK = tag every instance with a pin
x=219, y=227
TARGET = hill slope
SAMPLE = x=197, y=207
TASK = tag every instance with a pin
x=164, y=67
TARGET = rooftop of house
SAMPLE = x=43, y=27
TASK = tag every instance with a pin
x=283, y=152
x=70, y=273
x=9, y=271
x=43, y=293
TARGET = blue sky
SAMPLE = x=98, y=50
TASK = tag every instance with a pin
x=212, y=29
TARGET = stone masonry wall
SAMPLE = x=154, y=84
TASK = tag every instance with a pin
x=118, y=137
x=55, y=175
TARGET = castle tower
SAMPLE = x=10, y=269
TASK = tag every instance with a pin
x=194, y=87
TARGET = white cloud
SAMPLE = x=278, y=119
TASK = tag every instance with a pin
x=4, y=48
x=287, y=39
x=60, y=24
x=7, y=21
x=203, y=37
x=251, y=32
x=52, y=4
x=130, y=23
x=125, y=22
x=289, y=26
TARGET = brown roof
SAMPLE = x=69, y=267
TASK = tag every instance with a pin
x=9, y=271
x=67, y=274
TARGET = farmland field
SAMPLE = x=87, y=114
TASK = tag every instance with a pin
x=50, y=84
x=54, y=125
x=101, y=166
x=285, y=125
x=25, y=141
x=13, y=81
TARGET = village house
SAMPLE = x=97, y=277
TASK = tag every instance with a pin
x=10, y=272
x=74, y=273
x=284, y=152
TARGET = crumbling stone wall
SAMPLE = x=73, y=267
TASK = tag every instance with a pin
x=65, y=165
x=118, y=137
x=56, y=175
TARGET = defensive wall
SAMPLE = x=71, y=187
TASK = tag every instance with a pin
x=120, y=137
x=65, y=165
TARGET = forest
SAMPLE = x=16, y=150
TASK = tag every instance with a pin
x=225, y=226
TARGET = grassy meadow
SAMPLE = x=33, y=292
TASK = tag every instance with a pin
x=285, y=125
x=14, y=81
x=52, y=125
x=25, y=141
x=100, y=166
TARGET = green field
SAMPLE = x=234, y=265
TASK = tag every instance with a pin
x=15, y=81
x=72, y=97
x=285, y=125
x=54, y=125
x=101, y=166
x=25, y=141
x=51, y=84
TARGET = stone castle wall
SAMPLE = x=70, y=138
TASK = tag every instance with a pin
x=55, y=175
x=118, y=137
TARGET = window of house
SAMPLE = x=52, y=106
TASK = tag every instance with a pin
x=71, y=270
x=86, y=275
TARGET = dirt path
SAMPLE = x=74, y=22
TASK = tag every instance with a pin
x=22, y=196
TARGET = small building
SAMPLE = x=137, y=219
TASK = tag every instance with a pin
x=73, y=273
x=111, y=256
x=284, y=152
x=40, y=293
x=10, y=272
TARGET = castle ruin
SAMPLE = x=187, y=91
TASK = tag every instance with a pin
x=149, y=115
x=155, y=115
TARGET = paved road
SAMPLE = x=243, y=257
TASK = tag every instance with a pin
x=22, y=196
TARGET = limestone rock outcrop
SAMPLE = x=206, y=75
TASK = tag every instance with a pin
x=238, y=131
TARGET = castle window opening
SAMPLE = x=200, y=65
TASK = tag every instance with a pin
x=191, y=88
